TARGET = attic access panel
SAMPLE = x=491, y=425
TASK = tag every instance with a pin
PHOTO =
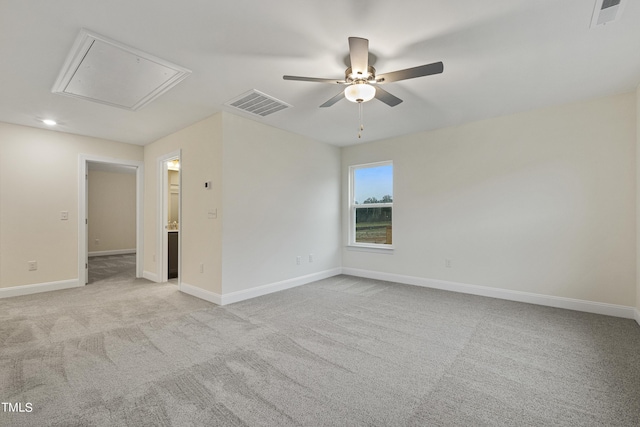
x=102, y=70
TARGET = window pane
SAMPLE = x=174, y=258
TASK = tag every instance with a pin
x=373, y=225
x=373, y=185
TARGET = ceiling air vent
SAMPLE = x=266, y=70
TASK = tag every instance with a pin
x=257, y=103
x=606, y=11
x=102, y=70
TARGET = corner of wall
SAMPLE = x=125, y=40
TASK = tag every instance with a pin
x=200, y=145
x=56, y=156
x=298, y=235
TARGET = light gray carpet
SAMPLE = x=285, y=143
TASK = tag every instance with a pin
x=112, y=268
x=341, y=351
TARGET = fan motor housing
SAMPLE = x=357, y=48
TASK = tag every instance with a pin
x=350, y=76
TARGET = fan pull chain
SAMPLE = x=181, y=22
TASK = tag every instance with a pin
x=360, y=117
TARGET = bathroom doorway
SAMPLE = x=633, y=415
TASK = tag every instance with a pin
x=169, y=205
x=173, y=217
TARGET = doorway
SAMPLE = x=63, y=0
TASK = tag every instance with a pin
x=104, y=246
x=111, y=228
x=170, y=209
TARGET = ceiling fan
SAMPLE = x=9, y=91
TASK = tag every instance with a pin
x=361, y=79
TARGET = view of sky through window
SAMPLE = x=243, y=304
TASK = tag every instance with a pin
x=375, y=182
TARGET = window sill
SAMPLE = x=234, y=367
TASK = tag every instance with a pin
x=368, y=248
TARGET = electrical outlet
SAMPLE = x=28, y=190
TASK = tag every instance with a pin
x=448, y=263
x=298, y=260
x=33, y=265
x=64, y=215
x=310, y=257
x=97, y=241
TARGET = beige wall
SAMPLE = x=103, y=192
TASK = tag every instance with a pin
x=112, y=211
x=39, y=179
x=638, y=201
x=276, y=194
x=201, y=161
x=281, y=200
x=541, y=202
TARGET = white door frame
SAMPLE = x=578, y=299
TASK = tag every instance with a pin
x=83, y=211
x=162, y=216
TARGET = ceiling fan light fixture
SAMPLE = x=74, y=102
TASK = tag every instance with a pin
x=359, y=92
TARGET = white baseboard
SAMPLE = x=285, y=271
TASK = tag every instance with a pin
x=16, y=291
x=637, y=316
x=150, y=276
x=113, y=252
x=201, y=293
x=258, y=291
x=531, y=298
x=245, y=294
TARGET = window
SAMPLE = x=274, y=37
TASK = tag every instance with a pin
x=371, y=204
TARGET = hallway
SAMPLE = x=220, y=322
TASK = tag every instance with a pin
x=111, y=268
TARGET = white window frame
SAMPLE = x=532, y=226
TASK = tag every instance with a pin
x=384, y=247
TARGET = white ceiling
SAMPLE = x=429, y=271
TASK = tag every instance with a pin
x=500, y=57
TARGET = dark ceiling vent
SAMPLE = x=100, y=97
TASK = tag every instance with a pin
x=606, y=11
x=257, y=103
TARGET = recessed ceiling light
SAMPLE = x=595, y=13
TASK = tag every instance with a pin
x=49, y=122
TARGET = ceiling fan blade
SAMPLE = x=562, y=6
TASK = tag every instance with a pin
x=333, y=100
x=313, y=79
x=386, y=97
x=359, y=54
x=411, y=73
